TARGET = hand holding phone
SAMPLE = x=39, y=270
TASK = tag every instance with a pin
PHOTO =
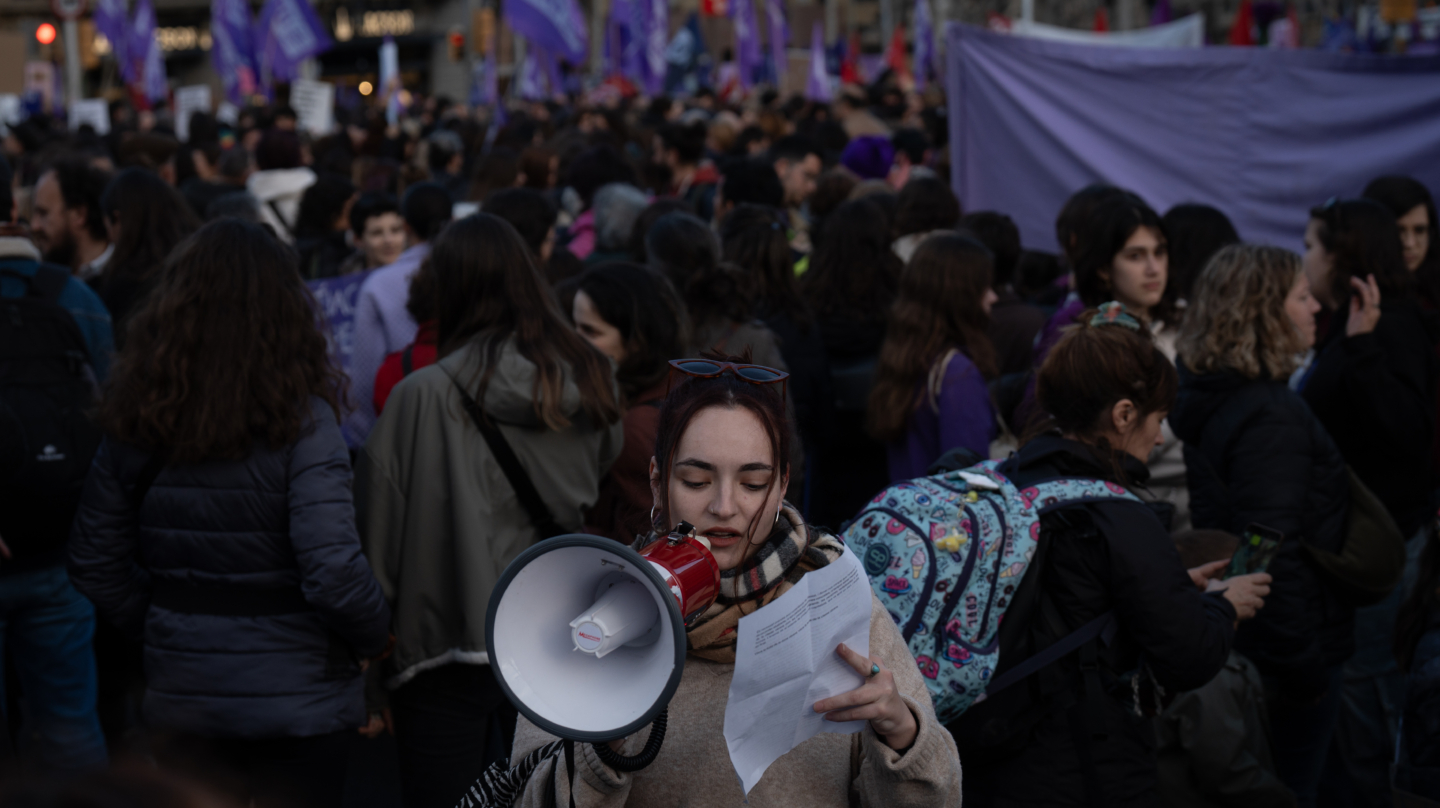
x=1257, y=549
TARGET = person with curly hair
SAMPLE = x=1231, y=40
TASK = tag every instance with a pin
x=217, y=521
x=1255, y=452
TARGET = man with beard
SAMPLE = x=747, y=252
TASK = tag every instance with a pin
x=66, y=223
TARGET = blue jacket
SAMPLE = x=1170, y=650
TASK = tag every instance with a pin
x=19, y=256
x=207, y=543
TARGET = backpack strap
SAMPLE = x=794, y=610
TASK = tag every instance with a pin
x=520, y=482
x=280, y=217
x=1102, y=628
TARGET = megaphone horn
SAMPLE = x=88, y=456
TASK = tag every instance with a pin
x=587, y=636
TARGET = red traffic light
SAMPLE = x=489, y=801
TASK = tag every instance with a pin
x=45, y=34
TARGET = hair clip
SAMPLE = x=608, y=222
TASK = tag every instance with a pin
x=1114, y=313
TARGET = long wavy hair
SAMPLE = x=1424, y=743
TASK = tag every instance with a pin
x=151, y=218
x=488, y=292
x=853, y=273
x=940, y=306
x=753, y=237
x=225, y=353
x=1236, y=319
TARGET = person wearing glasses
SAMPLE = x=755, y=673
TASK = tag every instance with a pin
x=438, y=513
x=1372, y=385
x=721, y=464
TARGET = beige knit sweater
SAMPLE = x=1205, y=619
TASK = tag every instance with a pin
x=694, y=770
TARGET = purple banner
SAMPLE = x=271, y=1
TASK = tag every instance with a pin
x=924, y=44
x=112, y=20
x=817, y=84
x=531, y=83
x=557, y=26
x=1243, y=129
x=233, y=50
x=336, y=299
x=290, y=33
x=657, y=35
x=779, y=35
x=143, y=51
x=747, y=40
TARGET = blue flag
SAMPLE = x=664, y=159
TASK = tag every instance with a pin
x=747, y=40
x=558, y=26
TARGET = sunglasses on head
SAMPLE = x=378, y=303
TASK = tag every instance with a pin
x=710, y=369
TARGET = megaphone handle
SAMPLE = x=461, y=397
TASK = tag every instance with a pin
x=624, y=763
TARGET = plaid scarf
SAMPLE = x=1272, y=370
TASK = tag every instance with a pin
x=792, y=550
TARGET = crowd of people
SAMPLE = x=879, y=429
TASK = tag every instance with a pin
x=235, y=544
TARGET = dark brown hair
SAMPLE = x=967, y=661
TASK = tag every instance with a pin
x=224, y=354
x=1092, y=368
x=642, y=305
x=488, y=292
x=939, y=307
x=690, y=395
x=753, y=237
x=152, y=218
x=1109, y=225
x=1364, y=239
x=853, y=273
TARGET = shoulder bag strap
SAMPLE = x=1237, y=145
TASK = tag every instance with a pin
x=407, y=360
x=530, y=499
x=280, y=217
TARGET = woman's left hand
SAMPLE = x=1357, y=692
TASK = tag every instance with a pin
x=877, y=701
x=1364, y=306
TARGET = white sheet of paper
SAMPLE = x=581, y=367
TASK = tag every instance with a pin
x=188, y=101
x=314, y=105
x=94, y=111
x=785, y=661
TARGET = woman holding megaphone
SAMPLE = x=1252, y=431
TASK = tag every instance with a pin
x=721, y=464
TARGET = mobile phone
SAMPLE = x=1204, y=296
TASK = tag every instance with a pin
x=1256, y=550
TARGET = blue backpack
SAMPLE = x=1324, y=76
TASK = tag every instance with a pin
x=945, y=554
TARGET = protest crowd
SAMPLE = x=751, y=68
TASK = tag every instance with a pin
x=270, y=403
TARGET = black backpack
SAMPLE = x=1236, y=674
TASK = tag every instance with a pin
x=47, y=440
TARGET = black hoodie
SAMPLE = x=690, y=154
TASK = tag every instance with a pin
x=1375, y=394
x=1019, y=748
x=1254, y=452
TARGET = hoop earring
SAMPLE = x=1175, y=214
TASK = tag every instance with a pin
x=777, y=514
x=653, y=509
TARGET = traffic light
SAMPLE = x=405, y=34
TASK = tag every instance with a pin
x=45, y=33
x=456, y=42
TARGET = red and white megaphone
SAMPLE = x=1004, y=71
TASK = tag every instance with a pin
x=587, y=636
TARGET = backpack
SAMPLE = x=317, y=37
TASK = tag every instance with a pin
x=946, y=554
x=46, y=437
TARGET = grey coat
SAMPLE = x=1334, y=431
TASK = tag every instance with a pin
x=278, y=526
x=440, y=521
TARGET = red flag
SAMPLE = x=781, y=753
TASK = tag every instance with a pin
x=1102, y=19
x=850, y=65
x=895, y=56
x=1241, y=33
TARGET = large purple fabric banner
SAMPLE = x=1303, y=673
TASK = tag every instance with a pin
x=1263, y=135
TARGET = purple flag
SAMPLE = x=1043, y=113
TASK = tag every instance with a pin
x=779, y=35
x=290, y=33
x=558, y=26
x=925, y=43
x=625, y=40
x=657, y=34
x=551, y=66
x=747, y=40
x=112, y=20
x=531, y=83
x=233, y=51
x=817, y=84
x=143, y=51
x=1161, y=14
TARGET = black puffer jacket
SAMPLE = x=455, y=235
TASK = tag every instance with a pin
x=1375, y=394
x=273, y=535
x=1255, y=453
x=1020, y=747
